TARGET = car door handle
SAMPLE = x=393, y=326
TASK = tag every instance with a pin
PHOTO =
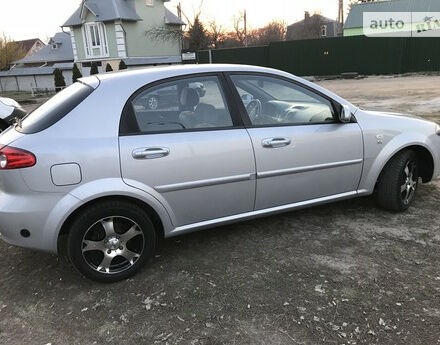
x=275, y=142
x=151, y=153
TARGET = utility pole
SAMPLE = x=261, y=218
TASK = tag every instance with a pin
x=245, y=29
x=179, y=10
x=179, y=14
x=341, y=16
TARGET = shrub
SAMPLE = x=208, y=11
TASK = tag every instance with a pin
x=59, y=79
x=122, y=65
x=76, y=74
x=94, y=68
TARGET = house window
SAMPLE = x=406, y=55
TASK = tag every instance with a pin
x=54, y=46
x=94, y=36
x=150, y=2
x=95, y=40
x=323, y=30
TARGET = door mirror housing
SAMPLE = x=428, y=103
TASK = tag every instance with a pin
x=345, y=115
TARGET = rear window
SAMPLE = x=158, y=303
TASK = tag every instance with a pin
x=55, y=108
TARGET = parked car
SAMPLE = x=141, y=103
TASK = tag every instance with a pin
x=167, y=97
x=9, y=110
x=93, y=170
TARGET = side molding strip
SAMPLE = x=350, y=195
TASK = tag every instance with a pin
x=204, y=183
x=289, y=171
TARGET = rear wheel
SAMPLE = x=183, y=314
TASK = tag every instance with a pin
x=111, y=241
x=399, y=181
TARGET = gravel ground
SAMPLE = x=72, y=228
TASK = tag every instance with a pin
x=346, y=273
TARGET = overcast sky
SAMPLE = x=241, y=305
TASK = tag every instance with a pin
x=22, y=19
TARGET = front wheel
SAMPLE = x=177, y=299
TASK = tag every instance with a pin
x=111, y=241
x=398, y=182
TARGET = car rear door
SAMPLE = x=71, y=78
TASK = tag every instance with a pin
x=192, y=153
x=302, y=152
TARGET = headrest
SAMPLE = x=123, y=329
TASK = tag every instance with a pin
x=189, y=97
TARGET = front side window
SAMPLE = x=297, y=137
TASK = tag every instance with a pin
x=273, y=101
x=184, y=104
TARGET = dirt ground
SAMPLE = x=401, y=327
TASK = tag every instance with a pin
x=346, y=273
x=411, y=94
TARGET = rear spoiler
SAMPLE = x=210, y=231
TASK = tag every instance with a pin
x=92, y=81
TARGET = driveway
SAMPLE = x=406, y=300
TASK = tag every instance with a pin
x=345, y=273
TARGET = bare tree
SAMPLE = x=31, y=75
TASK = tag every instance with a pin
x=10, y=51
x=273, y=32
x=195, y=37
x=239, y=32
x=216, y=34
x=160, y=34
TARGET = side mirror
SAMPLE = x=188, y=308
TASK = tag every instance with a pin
x=345, y=115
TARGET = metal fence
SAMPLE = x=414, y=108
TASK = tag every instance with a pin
x=333, y=56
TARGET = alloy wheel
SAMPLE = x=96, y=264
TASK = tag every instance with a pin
x=113, y=244
x=153, y=103
x=409, y=186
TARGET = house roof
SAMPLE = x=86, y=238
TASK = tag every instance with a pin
x=108, y=10
x=355, y=17
x=172, y=19
x=312, y=17
x=64, y=51
x=28, y=44
x=104, y=10
x=47, y=70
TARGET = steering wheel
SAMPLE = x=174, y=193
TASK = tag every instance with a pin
x=254, y=108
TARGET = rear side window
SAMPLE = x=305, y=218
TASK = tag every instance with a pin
x=184, y=104
x=55, y=108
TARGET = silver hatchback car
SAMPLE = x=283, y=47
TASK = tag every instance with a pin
x=100, y=172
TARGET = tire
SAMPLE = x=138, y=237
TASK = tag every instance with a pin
x=153, y=103
x=398, y=182
x=111, y=241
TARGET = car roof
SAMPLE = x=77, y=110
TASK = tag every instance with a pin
x=137, y=78
x=176, y=70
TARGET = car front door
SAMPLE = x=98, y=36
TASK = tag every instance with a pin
x=191, y=152
x=302, y=151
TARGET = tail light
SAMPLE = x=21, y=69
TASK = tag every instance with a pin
x=14, y=158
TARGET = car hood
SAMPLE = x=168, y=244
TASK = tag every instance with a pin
x=389, y=114
x=394, y=122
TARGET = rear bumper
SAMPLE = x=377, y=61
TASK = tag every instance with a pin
x=35, y=213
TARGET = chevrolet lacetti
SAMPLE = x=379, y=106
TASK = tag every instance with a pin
x=101, y=172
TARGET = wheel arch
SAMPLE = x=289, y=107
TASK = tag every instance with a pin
x=375, y=163
x=424, y=157
x=159, y=226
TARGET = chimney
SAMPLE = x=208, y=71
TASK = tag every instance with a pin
x=306, y=16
